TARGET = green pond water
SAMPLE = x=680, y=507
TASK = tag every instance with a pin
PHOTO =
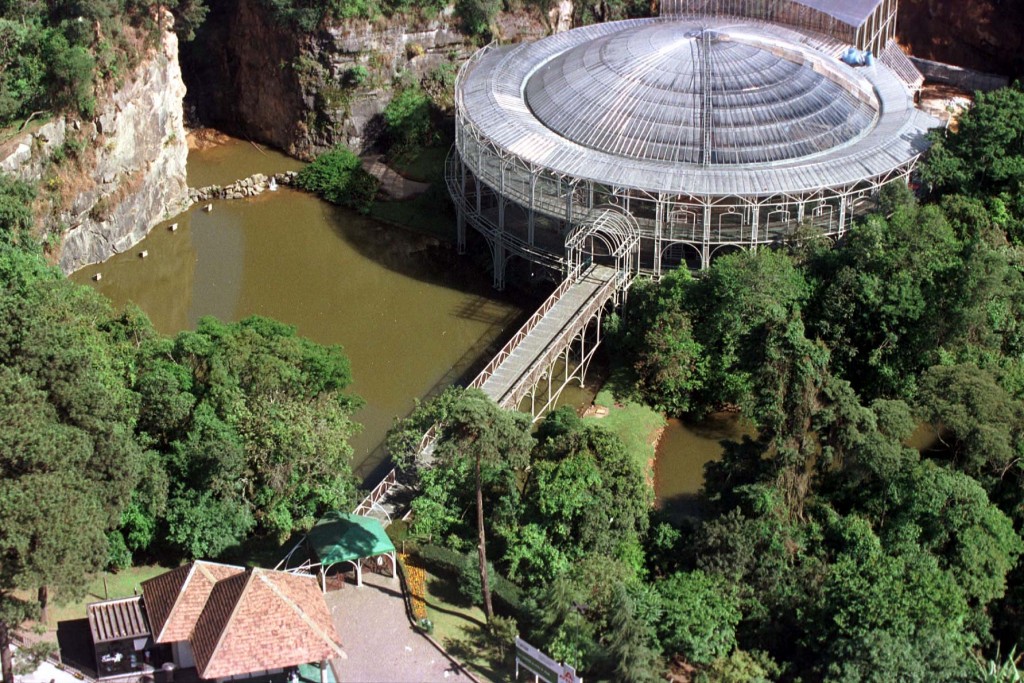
x=410, y=315
x=684, y=449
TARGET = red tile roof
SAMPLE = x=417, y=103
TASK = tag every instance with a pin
x=263, y=620
x=240, y=621
x=175, y=600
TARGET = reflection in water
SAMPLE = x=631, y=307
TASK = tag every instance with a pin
x=406, y=318
x=684, y=449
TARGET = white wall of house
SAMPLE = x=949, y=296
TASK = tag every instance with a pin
x=182, y=653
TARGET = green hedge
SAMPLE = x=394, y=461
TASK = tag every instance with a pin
x=502, y=590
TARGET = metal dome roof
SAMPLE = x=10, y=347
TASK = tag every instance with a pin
x=680, y=92
x=496, y=124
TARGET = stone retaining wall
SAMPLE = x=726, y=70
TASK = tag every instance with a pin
x=240, y=189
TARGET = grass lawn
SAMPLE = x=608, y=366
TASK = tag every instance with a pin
x=460, y=628
x=123, y=584
x=637, y=425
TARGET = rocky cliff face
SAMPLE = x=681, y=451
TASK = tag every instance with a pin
x=253, y=77
x=130, y=172
x=986, y=35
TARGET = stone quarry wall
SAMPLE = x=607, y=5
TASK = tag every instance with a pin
x=255, y=78
x=131, y=173
x=984, y=35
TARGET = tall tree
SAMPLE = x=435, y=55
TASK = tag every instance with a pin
x=984, y=157
x=476, y=428
x=67, y=457
x=253, y=422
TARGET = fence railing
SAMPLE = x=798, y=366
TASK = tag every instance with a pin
x=378, y=493
x=519, y=336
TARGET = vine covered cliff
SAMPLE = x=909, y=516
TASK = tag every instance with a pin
x=254, y=75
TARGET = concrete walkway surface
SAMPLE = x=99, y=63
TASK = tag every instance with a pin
x=381, y=644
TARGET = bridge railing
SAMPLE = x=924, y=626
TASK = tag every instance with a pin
x=539, y=366
x=523, y=332
x=378, y=493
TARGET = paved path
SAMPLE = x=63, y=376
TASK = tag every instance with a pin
x=380, y=643
x=394, y=185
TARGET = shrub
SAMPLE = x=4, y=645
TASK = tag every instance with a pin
x=504, y=591
x=356, y=76
x=440, y=85
x=16, y=219
x=118, y=555
x=413, y=50
x=338, y=177
x=477, y=15
x=408, y=120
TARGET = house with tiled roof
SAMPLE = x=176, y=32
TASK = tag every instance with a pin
x=175, y=601
x=226, y=622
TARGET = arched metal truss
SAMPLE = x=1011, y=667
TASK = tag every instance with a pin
x=612, y=237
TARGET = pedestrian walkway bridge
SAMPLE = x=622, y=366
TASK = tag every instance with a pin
x=550, y=351
x=560, y=337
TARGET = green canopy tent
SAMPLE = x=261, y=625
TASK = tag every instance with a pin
x=342, y=537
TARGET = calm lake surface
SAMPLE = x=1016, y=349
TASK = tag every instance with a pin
x=409, y=314
x=684, y=449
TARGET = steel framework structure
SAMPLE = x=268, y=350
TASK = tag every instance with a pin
x=868, y=24
x=703, y=156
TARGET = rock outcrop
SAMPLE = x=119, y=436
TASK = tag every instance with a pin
x=984, y=35
x=252, y=186
x=254, y=77
x=130, y=172
x=140, y=171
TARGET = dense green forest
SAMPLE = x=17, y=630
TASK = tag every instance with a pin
x=829, y=549
x=119, y=444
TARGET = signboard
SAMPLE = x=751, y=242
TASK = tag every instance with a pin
x=543, y=667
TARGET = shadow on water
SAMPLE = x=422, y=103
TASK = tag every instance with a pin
x=683, y=451
x=461, y=373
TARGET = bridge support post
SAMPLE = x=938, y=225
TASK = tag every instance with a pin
x=705, y=248
x=498, y=252
x=460, y=229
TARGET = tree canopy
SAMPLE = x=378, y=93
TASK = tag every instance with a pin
x=117, y=443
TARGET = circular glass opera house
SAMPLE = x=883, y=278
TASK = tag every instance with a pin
x=668, y=141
